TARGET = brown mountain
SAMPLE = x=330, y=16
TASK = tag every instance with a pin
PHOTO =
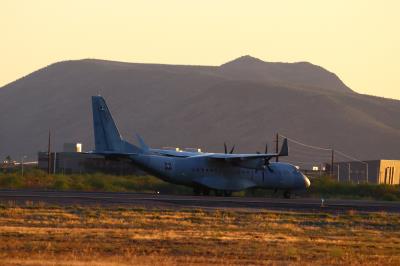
x=301, y=74
x=244, y=101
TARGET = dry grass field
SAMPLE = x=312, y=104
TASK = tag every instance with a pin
x=39, y=234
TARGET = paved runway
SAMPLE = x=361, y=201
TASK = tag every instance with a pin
x=181, y=201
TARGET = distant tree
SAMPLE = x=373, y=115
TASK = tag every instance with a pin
x=6, y=164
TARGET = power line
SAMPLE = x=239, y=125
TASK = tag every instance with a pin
x=308, y=163
x=306, y=145
x=348, y=156
x=302, y=151
x=321, y=148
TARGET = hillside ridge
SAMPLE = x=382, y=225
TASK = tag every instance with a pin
x=197, y=106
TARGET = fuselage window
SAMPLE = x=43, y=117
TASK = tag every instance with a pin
x=167, y=166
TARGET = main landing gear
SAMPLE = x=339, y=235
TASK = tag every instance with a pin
x=198, y=191
x=225, y=193
x=287, y=194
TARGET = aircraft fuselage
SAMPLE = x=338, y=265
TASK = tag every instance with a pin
x=193, y=171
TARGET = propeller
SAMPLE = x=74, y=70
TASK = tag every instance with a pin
x=233, y=148
x=226, y=149
x=266, y=149
x=266, y=161
x=266, y=164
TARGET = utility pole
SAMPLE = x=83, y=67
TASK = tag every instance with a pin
x=22, y=165
x=349, y=170
x=320, y=169
x=49, y=154
x=332, y=161
x=54, y=162
x=277, y=147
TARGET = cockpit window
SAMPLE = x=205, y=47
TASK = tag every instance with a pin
x=295, y=170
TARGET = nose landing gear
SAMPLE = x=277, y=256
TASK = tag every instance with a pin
x=198, y=191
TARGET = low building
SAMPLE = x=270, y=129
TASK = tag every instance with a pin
x=374, y=171
x=71, y=160
x=80, y=163
x=72, y=147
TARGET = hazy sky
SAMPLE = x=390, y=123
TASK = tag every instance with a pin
x=357, y=40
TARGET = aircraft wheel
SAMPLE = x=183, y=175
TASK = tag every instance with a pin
x=218, y=193
x=227, y=193
x=196, y=191
x=206, y=192
x=287, y=194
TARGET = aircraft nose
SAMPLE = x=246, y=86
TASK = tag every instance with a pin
x=307, y=182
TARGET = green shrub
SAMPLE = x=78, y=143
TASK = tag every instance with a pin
x=11, y=181
x=320, y=187
x=329, y=187
x=97, y=182
x=60, y=184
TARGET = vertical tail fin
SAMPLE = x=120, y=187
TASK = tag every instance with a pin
x=106, y=134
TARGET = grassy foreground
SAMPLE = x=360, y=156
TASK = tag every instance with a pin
x=51, y=235
x=321, y=187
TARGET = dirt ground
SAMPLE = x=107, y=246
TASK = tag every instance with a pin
x=60, y=235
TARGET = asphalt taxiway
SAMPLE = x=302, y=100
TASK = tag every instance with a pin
x=184, y=201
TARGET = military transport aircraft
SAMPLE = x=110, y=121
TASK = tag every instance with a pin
x=222, y=173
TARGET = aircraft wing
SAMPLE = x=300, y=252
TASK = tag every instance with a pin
x=111, y=154
x=241, y=157
x=168, y=153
